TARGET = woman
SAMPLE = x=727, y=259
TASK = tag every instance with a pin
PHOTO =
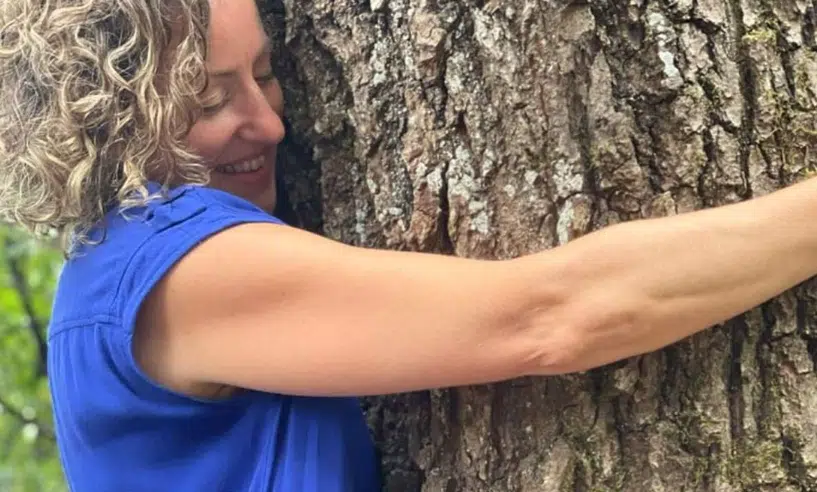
x=197, y=343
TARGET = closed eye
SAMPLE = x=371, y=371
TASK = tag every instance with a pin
x=266, y=79
x=214, y=103
x=217, y=101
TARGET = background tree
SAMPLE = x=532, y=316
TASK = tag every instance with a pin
x=28, y=455
x=496, y=128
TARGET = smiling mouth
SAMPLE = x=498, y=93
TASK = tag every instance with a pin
x=244, y=167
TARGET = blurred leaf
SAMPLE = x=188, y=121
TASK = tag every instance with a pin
x=28, y=456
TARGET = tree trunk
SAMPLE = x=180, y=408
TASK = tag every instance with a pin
x=497, y=128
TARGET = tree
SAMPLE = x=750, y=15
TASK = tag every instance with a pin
x=496, y=128
x=28, y=453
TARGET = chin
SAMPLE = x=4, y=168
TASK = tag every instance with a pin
x=268, y=201
x=260, y=190
x=265, y=200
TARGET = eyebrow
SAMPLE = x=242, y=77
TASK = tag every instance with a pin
x=266, y=50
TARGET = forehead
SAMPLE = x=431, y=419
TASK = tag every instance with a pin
x=235, y=33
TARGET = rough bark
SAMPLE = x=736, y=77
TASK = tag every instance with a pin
x=497, y=128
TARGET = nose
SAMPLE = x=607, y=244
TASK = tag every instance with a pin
x=264, y=123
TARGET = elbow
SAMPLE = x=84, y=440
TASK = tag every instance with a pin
x=585, y=334
x=585, y=318
x=557, y=355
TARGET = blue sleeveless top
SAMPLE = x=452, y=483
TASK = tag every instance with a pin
x=118, y=431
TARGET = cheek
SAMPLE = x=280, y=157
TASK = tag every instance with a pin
x=209, y=138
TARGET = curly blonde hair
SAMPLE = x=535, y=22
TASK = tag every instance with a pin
x=96, y=97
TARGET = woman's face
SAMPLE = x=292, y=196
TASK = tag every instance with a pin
x=241, y=125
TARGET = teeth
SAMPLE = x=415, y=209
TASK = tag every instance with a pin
x=247, y=166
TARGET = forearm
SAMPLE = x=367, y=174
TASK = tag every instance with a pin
x=639, y=286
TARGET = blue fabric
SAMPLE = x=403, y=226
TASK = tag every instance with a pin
x=118, y=431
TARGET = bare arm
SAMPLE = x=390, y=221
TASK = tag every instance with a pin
x=640, y=286
x=276, y=309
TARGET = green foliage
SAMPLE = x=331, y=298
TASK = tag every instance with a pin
x=28, y=454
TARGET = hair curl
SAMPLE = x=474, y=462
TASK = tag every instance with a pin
x=96, y=97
